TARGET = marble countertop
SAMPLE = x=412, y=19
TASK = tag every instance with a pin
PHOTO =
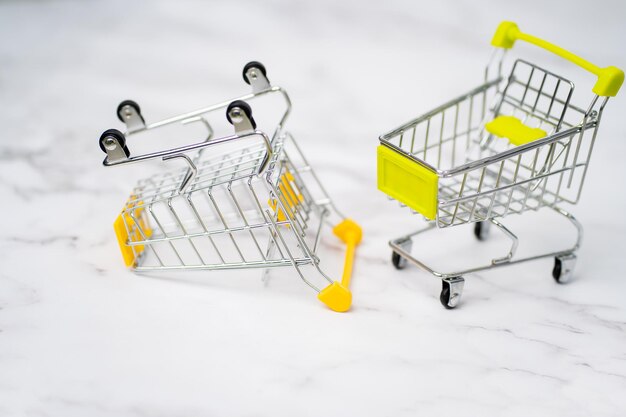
x=82, y=336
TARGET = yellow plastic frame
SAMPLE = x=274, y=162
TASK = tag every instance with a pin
x=610, y=79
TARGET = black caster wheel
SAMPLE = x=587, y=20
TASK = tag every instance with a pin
x=444, y=297
x=120, y=109
x=244, y=107
x=107, y=134
x=556, y=271
x=253, y=64
x=481, y=230
x=398, y=261
x=451, y=291
x=563, y=268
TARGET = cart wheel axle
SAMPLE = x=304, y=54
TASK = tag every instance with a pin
x=256, y=65
x=124, y=110
x=110, y=139
x=234, y=109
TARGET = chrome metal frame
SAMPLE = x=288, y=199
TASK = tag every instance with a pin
x=243, y=201
x=399, y=246
x=482, y=178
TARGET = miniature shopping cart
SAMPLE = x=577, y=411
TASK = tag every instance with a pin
x=245, y=200
x=510, y=145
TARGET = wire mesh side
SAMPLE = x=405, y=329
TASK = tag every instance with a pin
x=229, y=218
x=482, y=176
x=543, y=176
x=527, y=180
x=441, y=137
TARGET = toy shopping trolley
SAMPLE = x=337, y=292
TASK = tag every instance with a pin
x=507, y=146
x=244, y=200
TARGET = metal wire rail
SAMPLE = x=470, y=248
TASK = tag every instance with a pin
x=507, y=146
x=242, y=201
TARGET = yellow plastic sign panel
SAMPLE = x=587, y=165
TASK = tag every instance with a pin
x=407, y=181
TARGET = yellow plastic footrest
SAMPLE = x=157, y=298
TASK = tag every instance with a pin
x=407, y=181
x=125, y=223
x=514, y=130
x=336, y=297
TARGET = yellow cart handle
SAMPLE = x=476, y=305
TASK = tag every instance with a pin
x=337, y=296
x=610, y=79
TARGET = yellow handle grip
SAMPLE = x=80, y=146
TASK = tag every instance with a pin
x=610, y=79
x=337, y=296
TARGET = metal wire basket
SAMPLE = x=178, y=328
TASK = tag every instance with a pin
x=245, y=200
x=510, y=145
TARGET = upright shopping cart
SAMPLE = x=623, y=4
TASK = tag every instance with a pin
x=245, y=200
x=510, y=145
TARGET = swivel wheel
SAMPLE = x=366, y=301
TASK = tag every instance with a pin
x=481, y=230
x=397, y=260
x=451, y=291
x=564, y=268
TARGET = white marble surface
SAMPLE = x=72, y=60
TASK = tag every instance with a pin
x=81, y=336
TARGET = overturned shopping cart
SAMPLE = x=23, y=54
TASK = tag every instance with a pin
x=244, y=200
x=510, y=145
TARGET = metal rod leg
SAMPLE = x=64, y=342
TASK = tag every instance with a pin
x=514, y=243
x=576, y=223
